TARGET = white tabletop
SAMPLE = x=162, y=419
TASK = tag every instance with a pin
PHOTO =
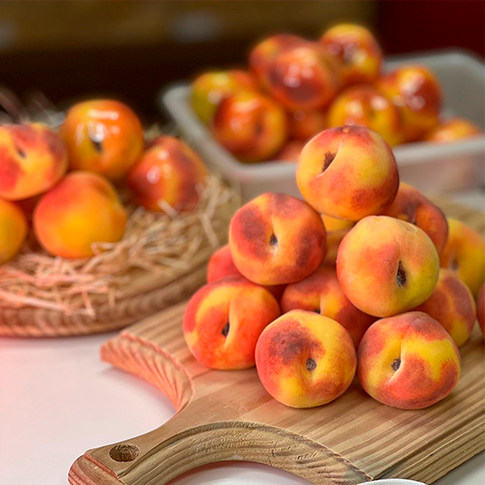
x=57, y=399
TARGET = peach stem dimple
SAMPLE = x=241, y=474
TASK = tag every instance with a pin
x=401, y=275
x=396, y=363
x=311, y=364
x=225, y=329
x=329, y=158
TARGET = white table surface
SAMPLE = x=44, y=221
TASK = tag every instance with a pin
x=57, y=399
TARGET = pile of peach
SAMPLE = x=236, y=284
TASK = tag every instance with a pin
x=295, y=88
x=63, y=183
x=365, y=276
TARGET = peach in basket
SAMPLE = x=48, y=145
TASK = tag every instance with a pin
x=102, y=136
x=32, y=159
x=81, y=210
x=13, y=229
x=170, y=175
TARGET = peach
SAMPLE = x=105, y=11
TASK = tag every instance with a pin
x=453, y=130
x=263, y=54
x=224, y=320
x=413, y=207
x=366, y=106
x=452, y=305
x=13, y=229
x=354, y=53
x=290, y=151
x=305, y=360
x=408, y=361
x=348, y=173
x=464, y=253
x=334, y=238
x=333, y=224
x=81, y=210
x=336, y=230
x=102, y=136
x=168, y=174
x=32, y=159
x=481, y=308
x=210, y=88
x=222, y=265
x=301, y=79
x=416, y=93
x=276, y=239
x=386, y=266
x=306, y=124
x=321, y=293
x=250, y=125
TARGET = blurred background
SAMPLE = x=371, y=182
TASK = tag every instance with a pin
x=130, y=49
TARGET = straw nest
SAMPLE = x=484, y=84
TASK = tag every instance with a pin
x=157, y=248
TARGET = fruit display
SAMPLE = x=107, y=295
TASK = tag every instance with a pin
x=321, y=83
x=60, y=181
x=359, y=286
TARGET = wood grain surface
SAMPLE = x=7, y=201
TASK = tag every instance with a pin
x=227, y=416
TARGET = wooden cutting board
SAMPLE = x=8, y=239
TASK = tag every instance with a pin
x=228, y=416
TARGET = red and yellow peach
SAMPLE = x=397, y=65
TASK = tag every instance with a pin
x=413, y=207
x=454, y=129
x=464, y=253
x=224, y=320
x=386, y=266
x=348, y=173
x=103, y=136
x=305, y=360
x=221, y=265
x=210, y=88
x=250, y=125
x=301, y=79
x=365, y=106
x=81, y=210
x=416, y=93
x=264, y=53
x=276, y=239
x=32, y=159
x=13, y=229
x=408, y=361
x=321, y=293
x=452, y=305
x=354, y=53
x=169, y=174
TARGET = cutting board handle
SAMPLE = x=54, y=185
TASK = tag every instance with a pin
x=201, y=432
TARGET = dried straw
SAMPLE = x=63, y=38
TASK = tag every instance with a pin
x=158, y=245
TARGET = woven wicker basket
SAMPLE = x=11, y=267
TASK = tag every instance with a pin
x=129, y=294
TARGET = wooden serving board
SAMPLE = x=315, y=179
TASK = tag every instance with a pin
x=228, y=416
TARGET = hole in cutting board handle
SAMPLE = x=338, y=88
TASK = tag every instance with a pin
x=124, y=452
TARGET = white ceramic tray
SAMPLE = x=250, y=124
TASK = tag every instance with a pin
x=431, y=168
